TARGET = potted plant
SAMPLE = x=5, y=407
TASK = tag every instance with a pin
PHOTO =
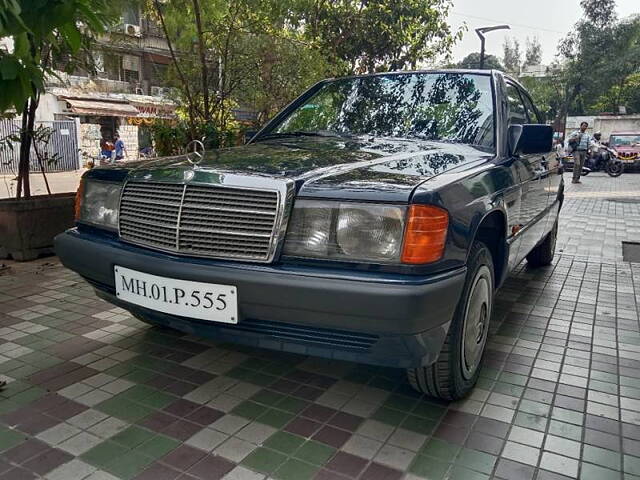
x=28, y=225
x=38, y=33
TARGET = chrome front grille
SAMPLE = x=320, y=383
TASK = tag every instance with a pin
x=201, y=220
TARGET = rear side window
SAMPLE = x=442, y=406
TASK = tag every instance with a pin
x=517, y=111
x=532, y=113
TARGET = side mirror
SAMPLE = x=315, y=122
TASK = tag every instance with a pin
x=249, y=134
x=530, y=139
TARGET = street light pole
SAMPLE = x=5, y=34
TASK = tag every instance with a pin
x=481, y=31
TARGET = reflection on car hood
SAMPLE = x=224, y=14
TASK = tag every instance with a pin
x=330, y=166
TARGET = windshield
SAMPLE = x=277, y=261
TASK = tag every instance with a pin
x=449, y=107
x=625, y=141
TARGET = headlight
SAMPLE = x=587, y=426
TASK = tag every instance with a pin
x=366, y=232
x=98, y=203
x=345, y=231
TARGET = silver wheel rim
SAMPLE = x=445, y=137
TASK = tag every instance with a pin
x=476, y=322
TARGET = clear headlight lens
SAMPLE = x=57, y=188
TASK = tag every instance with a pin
x=100, y=202
x=346, y=231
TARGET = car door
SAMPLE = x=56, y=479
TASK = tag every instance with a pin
x=550, y=173
x=534, y=180
x=551, y=163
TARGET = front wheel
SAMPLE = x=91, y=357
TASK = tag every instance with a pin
x=614, y=169
x=456, y=371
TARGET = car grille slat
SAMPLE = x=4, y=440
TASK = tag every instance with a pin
x=160, y=228
x=142, y=216
x=191, y=221
x=147, y=237
x=242, y=198
x=200, y=207
x=200, y=220
x=214, y=233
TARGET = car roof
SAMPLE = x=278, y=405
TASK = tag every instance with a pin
x=409, y=72
x=629, y=132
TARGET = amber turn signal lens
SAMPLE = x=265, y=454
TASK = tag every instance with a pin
x=79, y=198
x=425, y=234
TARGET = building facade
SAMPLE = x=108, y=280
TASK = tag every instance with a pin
x=605, y=124
x=123, y=94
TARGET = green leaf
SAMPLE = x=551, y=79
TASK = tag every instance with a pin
x=72, y=36
x=9, y=67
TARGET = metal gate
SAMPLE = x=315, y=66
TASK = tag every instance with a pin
x=63, y=143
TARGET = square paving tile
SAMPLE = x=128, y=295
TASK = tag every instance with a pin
x=95, y=394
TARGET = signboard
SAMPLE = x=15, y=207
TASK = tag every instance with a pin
x=155, y=111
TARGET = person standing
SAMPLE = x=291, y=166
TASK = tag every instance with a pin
x=580, y=143
x=559, y=147
x=121, y=150
x=106, y=150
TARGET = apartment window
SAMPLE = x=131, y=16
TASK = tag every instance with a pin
x=112, y=66
x=130, y=68
x=124, y=68
x=158, y=74
x=131, y=76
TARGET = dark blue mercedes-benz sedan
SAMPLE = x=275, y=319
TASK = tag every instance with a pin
x=372, y=220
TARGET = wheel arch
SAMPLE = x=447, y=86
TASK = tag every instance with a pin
x=492, y=231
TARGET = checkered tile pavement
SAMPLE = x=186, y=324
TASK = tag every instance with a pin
x=94, y=394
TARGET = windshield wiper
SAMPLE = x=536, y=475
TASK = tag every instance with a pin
x=297, y=133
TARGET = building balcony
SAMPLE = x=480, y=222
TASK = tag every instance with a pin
x=96, y=84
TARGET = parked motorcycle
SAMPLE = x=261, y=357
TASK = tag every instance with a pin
x=605, y=159
x=601, y=158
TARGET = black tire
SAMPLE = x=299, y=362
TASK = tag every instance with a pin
x=543, y=254
x=452, y=377
x=614, y=169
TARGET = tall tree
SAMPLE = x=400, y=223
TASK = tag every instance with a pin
x=627, y=95
x=224, y=52
x=599, y=54
x=511, y=57
x=547, y=91
x=378, y=35
x=533, y=52
x=473, y=61
x=600, y=13
x=264, y=52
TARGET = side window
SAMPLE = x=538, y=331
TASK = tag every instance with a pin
x=532, y=113
x=517, y=112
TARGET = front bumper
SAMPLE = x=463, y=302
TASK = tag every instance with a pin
x=382, y=319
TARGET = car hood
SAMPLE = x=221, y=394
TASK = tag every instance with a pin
x=627, y=149
x=372, y=168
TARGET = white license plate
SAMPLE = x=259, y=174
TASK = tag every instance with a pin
x=205, y=301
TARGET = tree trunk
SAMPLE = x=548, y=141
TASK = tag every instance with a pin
x=44, y=174
x=26, y=137
x=174, y=58
x=23, y=128
x=203, y=61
